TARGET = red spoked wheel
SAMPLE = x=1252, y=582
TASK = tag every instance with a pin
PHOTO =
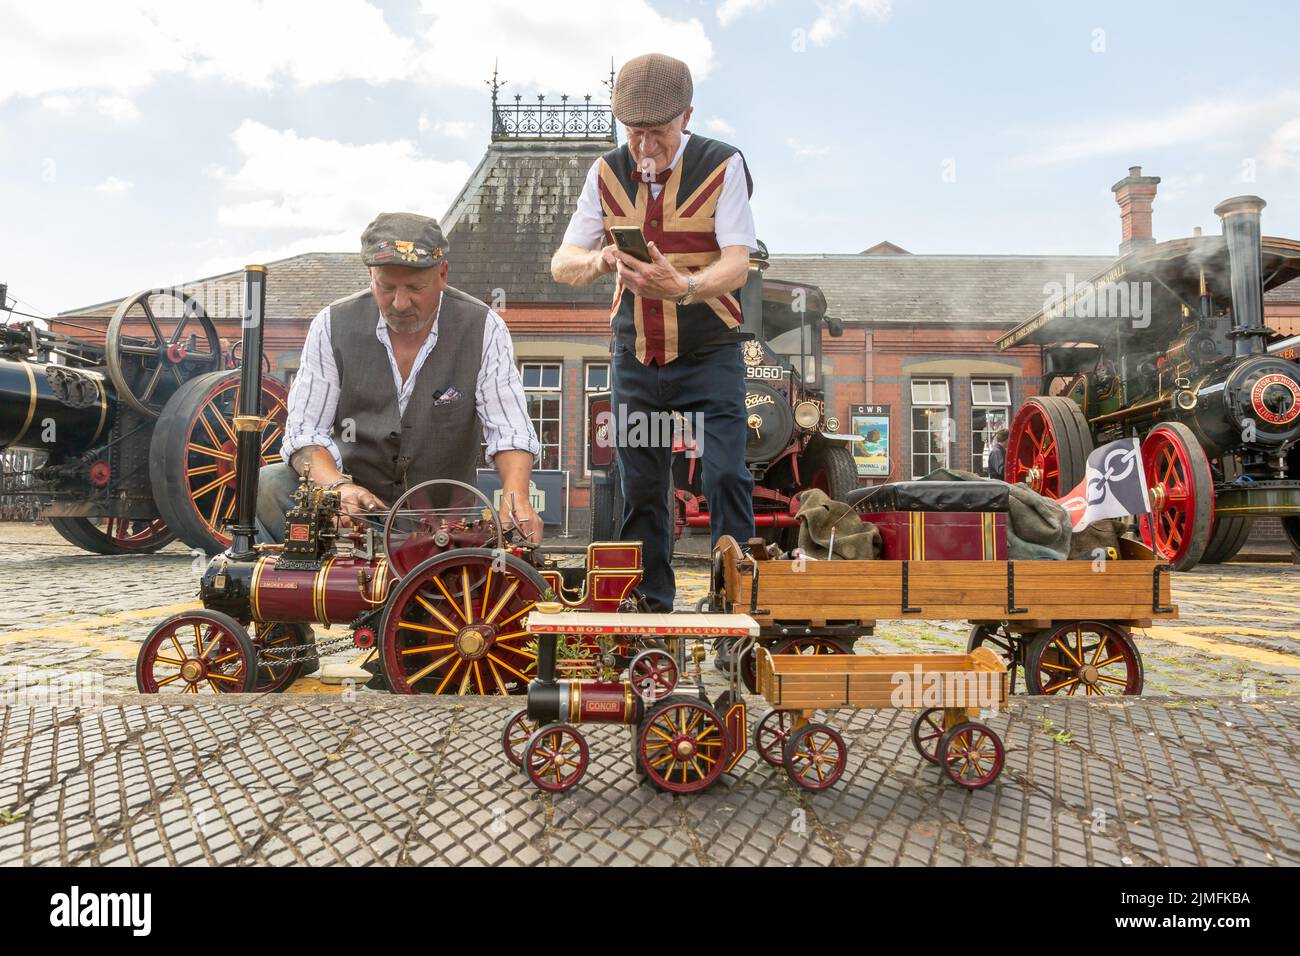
x=1182, y=495
x=791, y=645
x=815, y=756
x=115, y=535
x=197, y=652
x=455, y=625
x=555, y=757
x=653, y=674
x=1049, y=445
x=971, y=755
x=683, y=745
x=1099, y=658
x=771, y=735
x=279, y=647
x=192, y=455
x=518, y=730
x=927, y=729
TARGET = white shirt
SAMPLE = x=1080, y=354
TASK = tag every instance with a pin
x=733, y=220
x=498, y=395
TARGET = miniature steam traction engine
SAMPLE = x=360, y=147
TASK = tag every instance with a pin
x=1216, y=403
x=432, y=586
x=135, y=431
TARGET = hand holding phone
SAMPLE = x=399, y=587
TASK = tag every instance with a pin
x=631, y=240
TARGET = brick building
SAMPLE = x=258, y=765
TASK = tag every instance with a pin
x=919, y=330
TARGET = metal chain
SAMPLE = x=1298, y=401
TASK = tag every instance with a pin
x=304, y=652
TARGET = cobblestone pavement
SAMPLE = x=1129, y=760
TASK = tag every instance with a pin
x=385, y=780
x=1198, y=771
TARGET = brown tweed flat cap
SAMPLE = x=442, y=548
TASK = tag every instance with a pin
x=652, y=89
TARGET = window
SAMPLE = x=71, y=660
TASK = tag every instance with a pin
x=542, y=390
x=990, y=401
x=931, y=425
x=596, y=377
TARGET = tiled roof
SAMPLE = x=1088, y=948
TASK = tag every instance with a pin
x=510, y=217
x=998, y=290
x=296, y=288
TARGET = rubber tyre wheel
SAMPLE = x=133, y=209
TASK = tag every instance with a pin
x=1074, y=441
x=834, y=465
x=169, y=458
x=1202, y=487
x=607, y=506
x=85, y=535
x=1037, y=647
x=1226, y=538
x=999, y=754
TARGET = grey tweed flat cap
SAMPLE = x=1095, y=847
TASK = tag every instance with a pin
x=652, y=89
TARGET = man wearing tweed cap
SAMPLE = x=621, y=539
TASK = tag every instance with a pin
x=675, y=318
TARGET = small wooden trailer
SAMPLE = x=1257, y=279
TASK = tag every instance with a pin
x=951, y=690
x=1067, y=624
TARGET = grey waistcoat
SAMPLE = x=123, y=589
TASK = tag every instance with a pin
x=392, y=453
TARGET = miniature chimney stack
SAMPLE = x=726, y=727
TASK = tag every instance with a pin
x=1135, y=193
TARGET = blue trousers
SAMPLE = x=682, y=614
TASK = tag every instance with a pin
x=710, y=390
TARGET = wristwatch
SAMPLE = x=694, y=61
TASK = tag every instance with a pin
x=345, y=480
x=689, y=297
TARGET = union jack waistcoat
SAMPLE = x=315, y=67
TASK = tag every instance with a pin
x=681, y=223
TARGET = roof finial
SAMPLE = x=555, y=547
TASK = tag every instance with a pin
x=494, y=83
x=610, y=81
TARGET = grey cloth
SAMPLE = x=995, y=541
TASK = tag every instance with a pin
x=823, y=521
x=1038, y=528
x=439, y=434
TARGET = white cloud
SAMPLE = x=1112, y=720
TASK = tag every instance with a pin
x=802, y=150
x=729, y=11
x=835, y=17
x=123, y=47
x=113, y=185
x=118, y=108
x=1282, y=151
x=720, y=126
x=292, y=183
x=455, y=129
x=58, y=103
x=1199, y=122
x=552, y=47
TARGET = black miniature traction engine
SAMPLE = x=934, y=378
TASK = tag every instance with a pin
x=432, y=589
x=126, y=444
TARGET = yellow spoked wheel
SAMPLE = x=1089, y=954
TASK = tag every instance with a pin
x=556, y=757
x=197, y=652
x=683, y=745
x=455, y=625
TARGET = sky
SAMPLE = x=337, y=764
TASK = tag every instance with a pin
x=146, y=143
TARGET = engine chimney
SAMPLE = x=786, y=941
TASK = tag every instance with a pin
x=1240, y=217
x=248, y=417
x=1135, y=193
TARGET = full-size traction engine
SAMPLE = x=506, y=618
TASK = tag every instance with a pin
x=1195, y=373
x=131, y=438
x=432, y=589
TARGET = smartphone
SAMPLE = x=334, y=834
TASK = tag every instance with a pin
x=631, y=239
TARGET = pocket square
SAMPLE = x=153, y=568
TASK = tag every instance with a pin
x=446, y=397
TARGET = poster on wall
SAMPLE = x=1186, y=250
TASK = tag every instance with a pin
x=871, y=424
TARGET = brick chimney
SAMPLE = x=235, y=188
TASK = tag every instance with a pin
x=1135, y=193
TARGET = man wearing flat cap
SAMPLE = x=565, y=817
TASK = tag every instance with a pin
x=675, y=318
x=399, y=384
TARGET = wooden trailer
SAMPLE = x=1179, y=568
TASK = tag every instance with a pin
x=951, y=692
x=1067, y=624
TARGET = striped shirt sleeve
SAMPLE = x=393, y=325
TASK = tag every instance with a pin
x=499, y=396
x=314, y=397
